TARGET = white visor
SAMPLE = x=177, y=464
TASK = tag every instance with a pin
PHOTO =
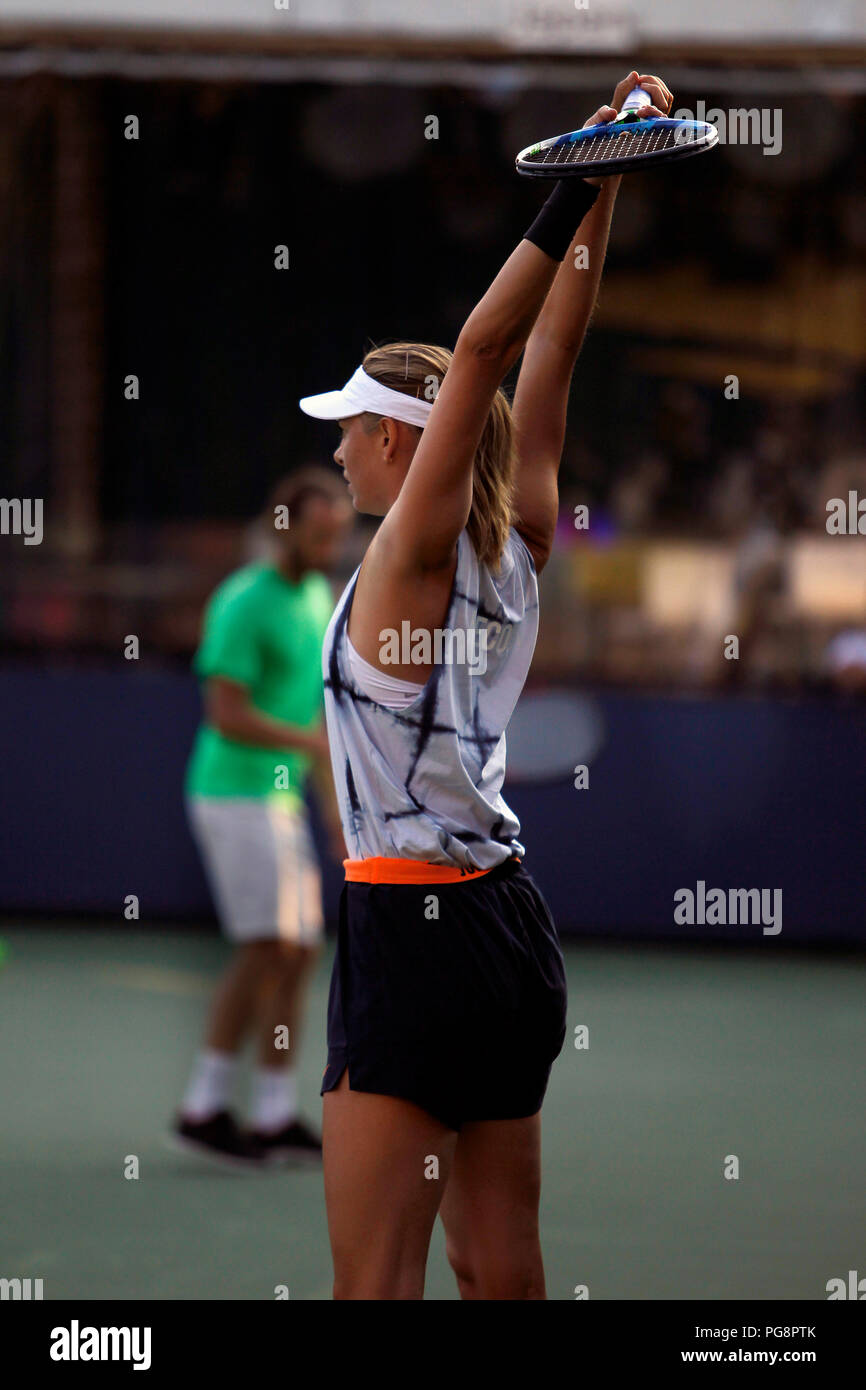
x=362, y=393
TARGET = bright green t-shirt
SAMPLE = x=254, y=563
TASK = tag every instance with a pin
x=266, y=633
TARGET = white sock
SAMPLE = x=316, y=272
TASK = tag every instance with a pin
x=275, y=1098
x=210, y=1084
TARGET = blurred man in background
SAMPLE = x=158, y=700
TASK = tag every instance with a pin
x=260, y=659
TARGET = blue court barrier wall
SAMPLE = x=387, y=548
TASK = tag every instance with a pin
x=735, y=793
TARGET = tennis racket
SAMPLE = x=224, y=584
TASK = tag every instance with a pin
x=623, y=146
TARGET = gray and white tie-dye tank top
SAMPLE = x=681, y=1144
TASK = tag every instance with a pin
x=424, y=782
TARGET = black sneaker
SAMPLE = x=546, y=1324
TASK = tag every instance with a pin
x=296, y=1142
x=218, y=1138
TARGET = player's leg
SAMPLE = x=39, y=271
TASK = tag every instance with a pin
x=274, y=1118
x=239, y=857
x=490, y=1210
x=205, y=1122
x=235, y=844
x=490, y=1207
x=386, y=1164
x=283, y=1002
x=237, y=1001
x=299, y=926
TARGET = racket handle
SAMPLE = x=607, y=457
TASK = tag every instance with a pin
x=637, y=98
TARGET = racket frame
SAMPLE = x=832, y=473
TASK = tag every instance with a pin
x=636, y=100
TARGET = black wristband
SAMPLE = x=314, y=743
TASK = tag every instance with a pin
x=561, y=215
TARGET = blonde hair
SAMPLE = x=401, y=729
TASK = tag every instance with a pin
x=418, y=369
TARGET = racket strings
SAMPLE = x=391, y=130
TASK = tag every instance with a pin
x=598, y=149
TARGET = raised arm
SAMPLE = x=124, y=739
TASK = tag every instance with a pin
x=409, y=566
x=408, y=570
x=544, y=381
x=420, y=531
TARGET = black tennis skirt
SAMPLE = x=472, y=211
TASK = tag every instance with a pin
x=452, y=996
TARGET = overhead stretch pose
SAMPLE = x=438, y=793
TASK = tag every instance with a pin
x=260, y=660
x=448, y=996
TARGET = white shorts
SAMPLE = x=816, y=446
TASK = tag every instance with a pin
x=262, y=868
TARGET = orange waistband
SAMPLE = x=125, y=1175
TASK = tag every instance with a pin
x=377, y=869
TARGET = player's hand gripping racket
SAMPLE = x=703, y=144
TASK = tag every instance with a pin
x=623, y=146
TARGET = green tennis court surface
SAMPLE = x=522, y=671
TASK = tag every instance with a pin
x=694, y=1054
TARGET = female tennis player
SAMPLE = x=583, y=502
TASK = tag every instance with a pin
x=448, y=995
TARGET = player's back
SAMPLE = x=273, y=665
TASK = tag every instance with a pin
x=424, y=781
